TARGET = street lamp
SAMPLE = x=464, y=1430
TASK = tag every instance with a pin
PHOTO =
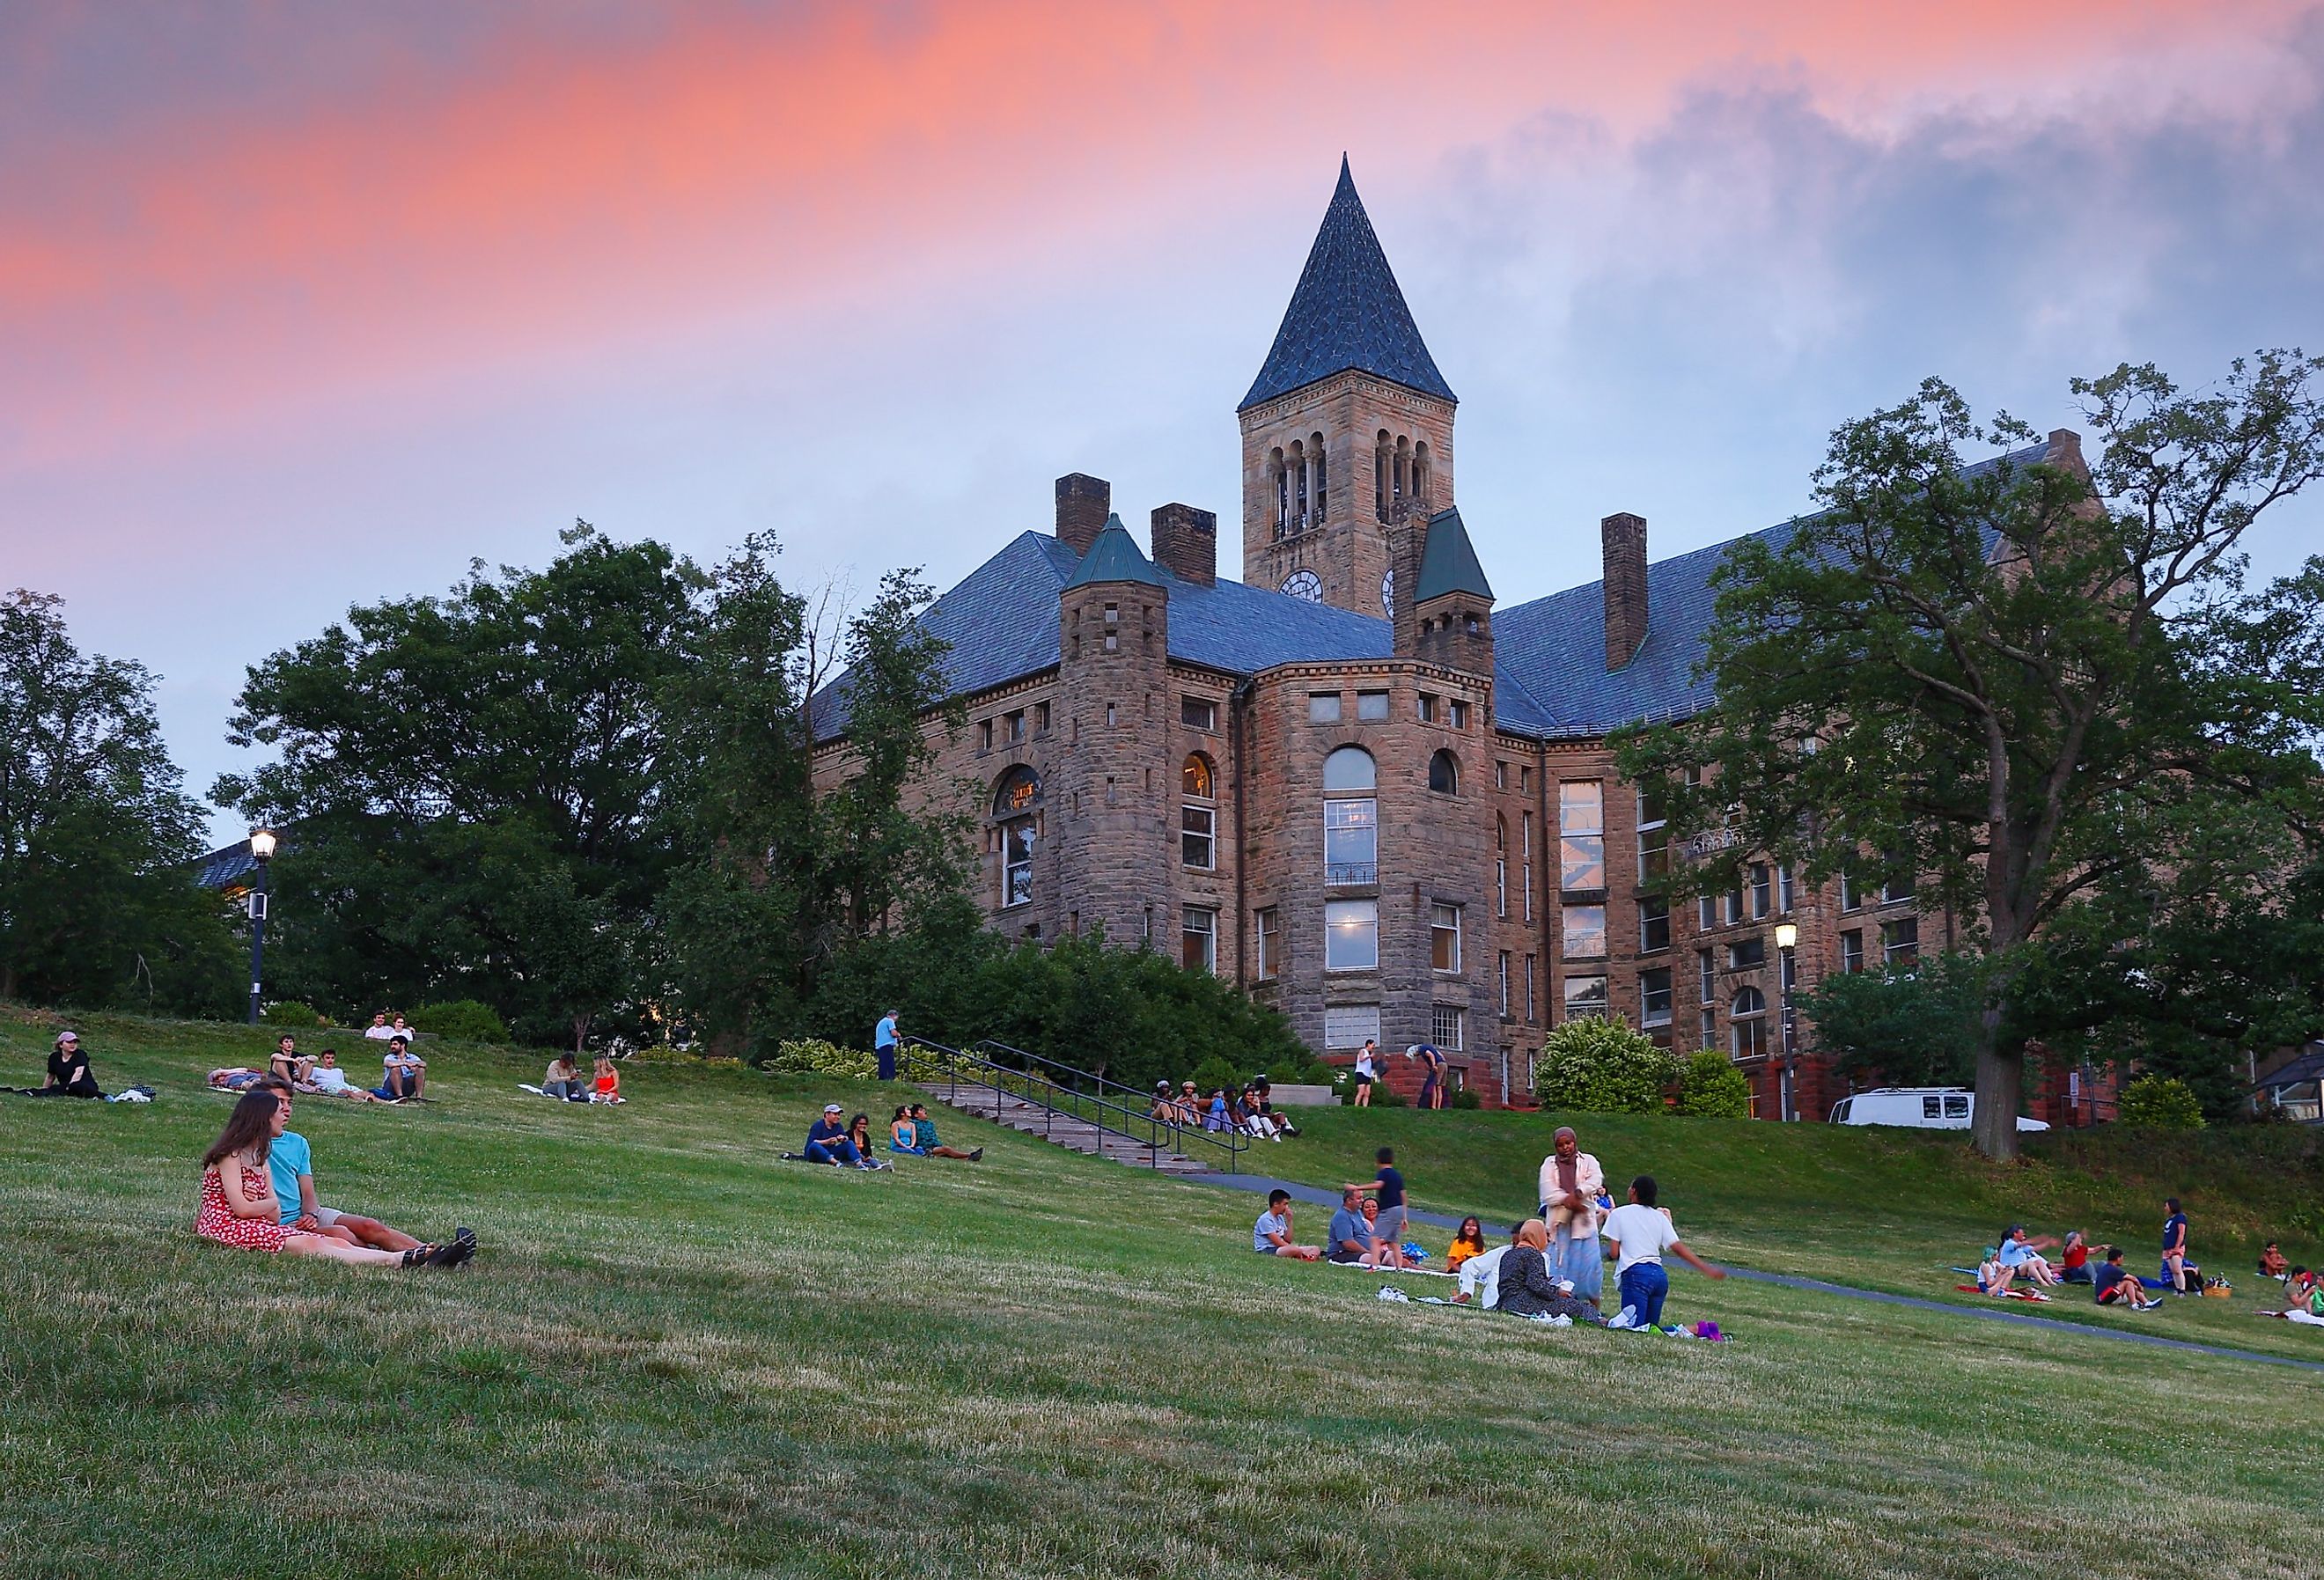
x=262, y=851
x=1787, y=939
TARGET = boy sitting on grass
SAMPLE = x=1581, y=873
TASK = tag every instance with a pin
x=1271, y=1235
x=2118, y=1286
x=1636, y=1236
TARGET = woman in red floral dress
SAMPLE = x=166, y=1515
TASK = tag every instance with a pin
x=240, y=1209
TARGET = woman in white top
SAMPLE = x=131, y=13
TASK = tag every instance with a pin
x=1367, y=1072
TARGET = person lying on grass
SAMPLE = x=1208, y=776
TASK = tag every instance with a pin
x=235, y=1078
x=1524, y=1287
x=2118, y=1286
x=1271, y=1235
x=290, y=1169
x=1636, y=1235
x=239, y=1206
x=924, y=1137
x=2022, y=1255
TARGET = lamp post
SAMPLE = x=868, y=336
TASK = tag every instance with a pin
x=262, y=851
x=1787, y=939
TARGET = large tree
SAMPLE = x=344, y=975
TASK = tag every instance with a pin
x=2033, y=687
x=97, y=902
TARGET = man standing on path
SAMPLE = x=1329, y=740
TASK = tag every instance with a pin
x=1571, y=1182
x=883, y=1043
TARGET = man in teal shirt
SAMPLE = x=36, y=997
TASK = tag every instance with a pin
x=924, y=1136
x=291, y=1162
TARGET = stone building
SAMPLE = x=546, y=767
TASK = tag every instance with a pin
x=1351, y=782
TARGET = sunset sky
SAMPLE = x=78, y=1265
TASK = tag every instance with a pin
x=307, y=304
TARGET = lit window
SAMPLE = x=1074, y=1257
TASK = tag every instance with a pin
x=1013, y=800
x=1198, y=939
x=1747, y=1023
x=1444, y=938
x=1371, y=706
x=1351, y=1025
x=1654, y=926
x=1323, y=709
x=1446, y=1023
x=1586, y=998
x=1900, y=940
x=1582, y=835
x=1200, y=712
x=1654, y=997
x=1351, y=935
x=1585, y=931
x=1654, y=838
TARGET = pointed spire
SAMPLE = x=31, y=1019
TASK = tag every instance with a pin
x=1347, y=313
x=1448, y=562
x=1114, y=557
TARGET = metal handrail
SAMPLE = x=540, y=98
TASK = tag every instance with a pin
x=1056, y=1100
x=990, y=1044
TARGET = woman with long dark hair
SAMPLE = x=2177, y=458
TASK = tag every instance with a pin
x=240, y=1209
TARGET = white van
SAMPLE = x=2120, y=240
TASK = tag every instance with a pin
x=1919, y=1108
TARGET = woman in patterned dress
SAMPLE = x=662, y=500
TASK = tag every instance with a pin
x=239, y=1207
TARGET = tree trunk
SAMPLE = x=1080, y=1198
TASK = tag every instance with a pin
x=2000, y=1087
x=581, y=1032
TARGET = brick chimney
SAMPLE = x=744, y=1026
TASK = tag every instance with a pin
x=1084, y=503
x=1186, y=542
x=1624, y=540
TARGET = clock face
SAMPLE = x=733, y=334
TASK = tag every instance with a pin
x=1304, y=584
x=1387, y=594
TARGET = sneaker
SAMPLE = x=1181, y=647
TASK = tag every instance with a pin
x=977, y=1156
x=2146, y=1305
x=1390, y=1292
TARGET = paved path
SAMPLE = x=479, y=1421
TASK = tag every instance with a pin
x=1322, y=1198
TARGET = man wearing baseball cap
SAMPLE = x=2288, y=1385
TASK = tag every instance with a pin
x=827, y=1140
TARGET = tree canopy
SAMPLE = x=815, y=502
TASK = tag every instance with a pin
x=2038, y=687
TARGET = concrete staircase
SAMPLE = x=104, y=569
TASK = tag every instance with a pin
x=1077, y=1135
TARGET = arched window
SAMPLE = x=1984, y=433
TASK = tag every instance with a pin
x=1400, y=477
x=1350, y=817
x=1295, y=463
x=1315, y=460
x=1444, y=774
x=1198, y=819
x=1282, y=492
x=1420, y=475
x=1014, y=799
x=1747, y=1016
x=1379, y=475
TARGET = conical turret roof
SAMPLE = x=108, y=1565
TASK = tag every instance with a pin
x=1347, y=313
x=1114, y=557
x=1448, y=561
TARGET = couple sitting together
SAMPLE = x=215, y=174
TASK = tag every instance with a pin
x=564, y=1081
x=258, y=1194
x=913, y=1131
x=1516, y=1277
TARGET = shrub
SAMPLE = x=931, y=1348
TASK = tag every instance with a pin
x=1601, y=1067
x=1710, y=1087
x=1463, y=1098
x=2159, y=1102
x=814, y=1057
x=1214, y=1073
x=293, y=1013
x=1292, y=1072
x=461, y=1021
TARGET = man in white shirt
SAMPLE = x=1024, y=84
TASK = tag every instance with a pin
x=1636, y=1236
x=329, y=1080
x=1480, y=1275
x=378, y=1030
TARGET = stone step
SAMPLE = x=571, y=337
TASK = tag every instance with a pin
x=1078, y=1135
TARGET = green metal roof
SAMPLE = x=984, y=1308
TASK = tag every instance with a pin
x=1448, y=561
x=1115, y=557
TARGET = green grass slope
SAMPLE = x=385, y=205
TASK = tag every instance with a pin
x=678, y=1356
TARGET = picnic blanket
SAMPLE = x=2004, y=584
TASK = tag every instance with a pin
x=2006, y=1294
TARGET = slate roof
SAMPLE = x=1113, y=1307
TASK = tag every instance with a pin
x=1448, y=561
x=1346, y=312
x=1114, y=556
x=1550, y=676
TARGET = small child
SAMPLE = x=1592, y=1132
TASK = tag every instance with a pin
x=607, y=1086
x=1636, y=1236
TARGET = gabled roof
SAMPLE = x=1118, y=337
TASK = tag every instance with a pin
x=1346, y=312
x=1114, y=557
x=1448, y=561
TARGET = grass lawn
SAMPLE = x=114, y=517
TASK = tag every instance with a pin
x=677, y=1356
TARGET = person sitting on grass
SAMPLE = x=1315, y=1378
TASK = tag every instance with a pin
x=330, y=1080
x=1349, y=1235
x=1468, y=1241
x=828, y=1141
x=901, y=1136
x=607, y=1086
x=2074, y=1262
x=1265, y=1099
x=239, y=1206
x=69, y=1071
x=1636, y=1235
x=563, y=1080
x=1994, y=1275
x=291, y=1170
x=924, y=1136
x=1525, y=1287
x=288, y=1063
x=2022, y=1255
x=2303, y=1296
x=2272, y=1264
x=1164, y=1109
x=1218, y=1118
x=1480, y=1274
x=403, y=1072
x=2117, y=1285
x=858, y=1131
x=1271, y=1235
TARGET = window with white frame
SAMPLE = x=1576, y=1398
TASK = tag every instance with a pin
x=1350, y=817
x=1747, y=1023
x=1896, y=891
x=1851, y=949
x=1198, y=817
x=1267, y=943
x=1503, y=963
x=1763, y=890
x=1706, y=975
x=1457, y=713
x=1200, y=712
x=1783, y=887
x=1351, y=1025
x=1744, y=954
x=1709, y=1019
x=1524, y=859
x=1581, y=834
x=1654, y=837
x=1851, y=895
x=1586, y=998
x=1198, y=939
x=1654, y=997
x=1351, y=935
x=1731, y=903
x=1706, y=912
x=1900, y=940
x=1446, y=1024
x=1532, y=1013
x=1444, y=938
x=1585, y=931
